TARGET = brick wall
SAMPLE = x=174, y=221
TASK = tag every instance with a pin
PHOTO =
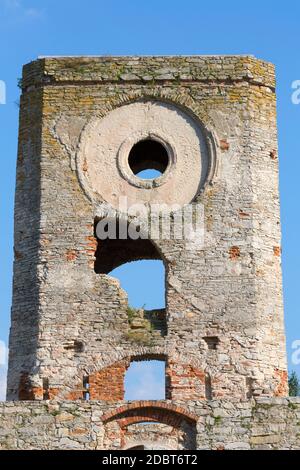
x=108, y=384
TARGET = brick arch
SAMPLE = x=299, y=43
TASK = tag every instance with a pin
x=151, y=356
x=141, y=353
x=149, y=411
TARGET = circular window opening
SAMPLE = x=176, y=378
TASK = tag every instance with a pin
x=148, y=159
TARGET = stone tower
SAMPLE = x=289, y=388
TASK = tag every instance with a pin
x=88, y=125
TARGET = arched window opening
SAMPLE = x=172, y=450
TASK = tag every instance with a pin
x=139, y=267
x=146, y=380
x=117, y=248
x=208, y=388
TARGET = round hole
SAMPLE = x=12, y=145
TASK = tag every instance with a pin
x=148, y=159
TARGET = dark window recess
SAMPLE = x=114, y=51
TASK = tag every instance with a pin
x=145, y=379
x=76, y=346
x=46, y=395
x=211, y=341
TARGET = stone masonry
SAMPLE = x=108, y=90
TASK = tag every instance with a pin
x=264, y=423
x=221, y=334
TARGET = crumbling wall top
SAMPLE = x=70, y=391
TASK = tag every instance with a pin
x=147, y=69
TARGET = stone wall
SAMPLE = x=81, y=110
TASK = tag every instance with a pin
x=220, y=424
x=221, y=333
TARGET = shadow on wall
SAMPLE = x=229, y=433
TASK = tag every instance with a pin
x=150, y=426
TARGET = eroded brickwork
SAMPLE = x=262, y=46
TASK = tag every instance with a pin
x=186, y=381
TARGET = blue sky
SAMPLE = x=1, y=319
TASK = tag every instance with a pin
x=268, y=29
